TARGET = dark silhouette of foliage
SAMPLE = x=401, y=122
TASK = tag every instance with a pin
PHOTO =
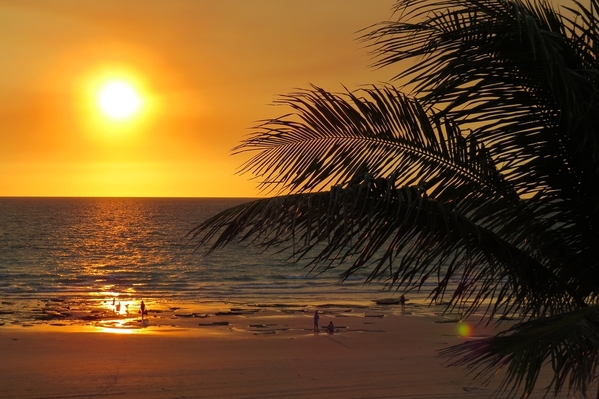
x=486, y=172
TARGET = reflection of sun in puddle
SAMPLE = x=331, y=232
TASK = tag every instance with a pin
x=120, y=316
x=120, y=307
x=117, y=330
x=122, y=326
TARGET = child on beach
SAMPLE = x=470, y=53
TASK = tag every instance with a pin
x=316, y=318
x=330, y=328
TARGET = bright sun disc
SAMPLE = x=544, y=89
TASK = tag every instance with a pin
x=119, y=100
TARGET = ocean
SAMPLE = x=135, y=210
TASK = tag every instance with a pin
x=92, y=250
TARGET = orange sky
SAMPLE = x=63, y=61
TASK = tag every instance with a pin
x=206, y=71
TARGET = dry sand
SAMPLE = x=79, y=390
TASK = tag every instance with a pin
x=265, y=354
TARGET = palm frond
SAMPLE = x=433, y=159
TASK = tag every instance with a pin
x=525, y=80
x=404, y=238
x=485, y=180
x=331, y=139
x=482, y=60
x=567, y=343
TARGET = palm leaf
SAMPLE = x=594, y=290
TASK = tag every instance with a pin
x=404, y=238
x=525, y=80
x=567, y=343
x=488, y=175
x=485, y=62
x=330, y=139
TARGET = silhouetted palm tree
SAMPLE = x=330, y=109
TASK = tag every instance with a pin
x=486, y=174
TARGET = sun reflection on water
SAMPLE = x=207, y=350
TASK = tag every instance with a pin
x=117, y=312
x=117, y=244
x=123, y=326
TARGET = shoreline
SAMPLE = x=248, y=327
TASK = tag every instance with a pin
x=266, y=352
x=80, y=315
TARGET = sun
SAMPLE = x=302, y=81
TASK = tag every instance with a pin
x=118, y=100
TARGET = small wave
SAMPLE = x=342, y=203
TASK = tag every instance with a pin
x=240, y=278
x=297, y=277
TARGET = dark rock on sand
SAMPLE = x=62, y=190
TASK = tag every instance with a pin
x=53, y=313
x=216, y=323
x=229, y=313
x=387, y=301
x=265, y=332
x=91, y=317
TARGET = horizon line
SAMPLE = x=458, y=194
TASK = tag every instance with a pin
x=124, y=196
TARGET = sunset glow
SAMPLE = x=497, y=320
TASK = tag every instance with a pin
x=119, y=100
x=137, y=99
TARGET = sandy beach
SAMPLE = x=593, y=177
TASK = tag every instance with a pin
x=239, y=353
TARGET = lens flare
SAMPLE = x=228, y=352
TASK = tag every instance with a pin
x=464, y=330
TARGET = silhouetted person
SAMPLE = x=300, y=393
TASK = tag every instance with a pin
x=331, y=328
x=402, y=302
x=142, y=309
x=316, y=318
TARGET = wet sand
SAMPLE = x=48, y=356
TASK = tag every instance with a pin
x=250, y=352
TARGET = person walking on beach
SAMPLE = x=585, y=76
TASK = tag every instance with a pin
x=142, y=309
x=316, y=318
x=402, y=302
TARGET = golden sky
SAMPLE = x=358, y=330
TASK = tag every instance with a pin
x=204, y=72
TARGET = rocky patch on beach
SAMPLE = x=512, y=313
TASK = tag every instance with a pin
x=215, y=323
x=241, y=318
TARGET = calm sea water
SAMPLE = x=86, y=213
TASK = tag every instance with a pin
x=136, y=248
